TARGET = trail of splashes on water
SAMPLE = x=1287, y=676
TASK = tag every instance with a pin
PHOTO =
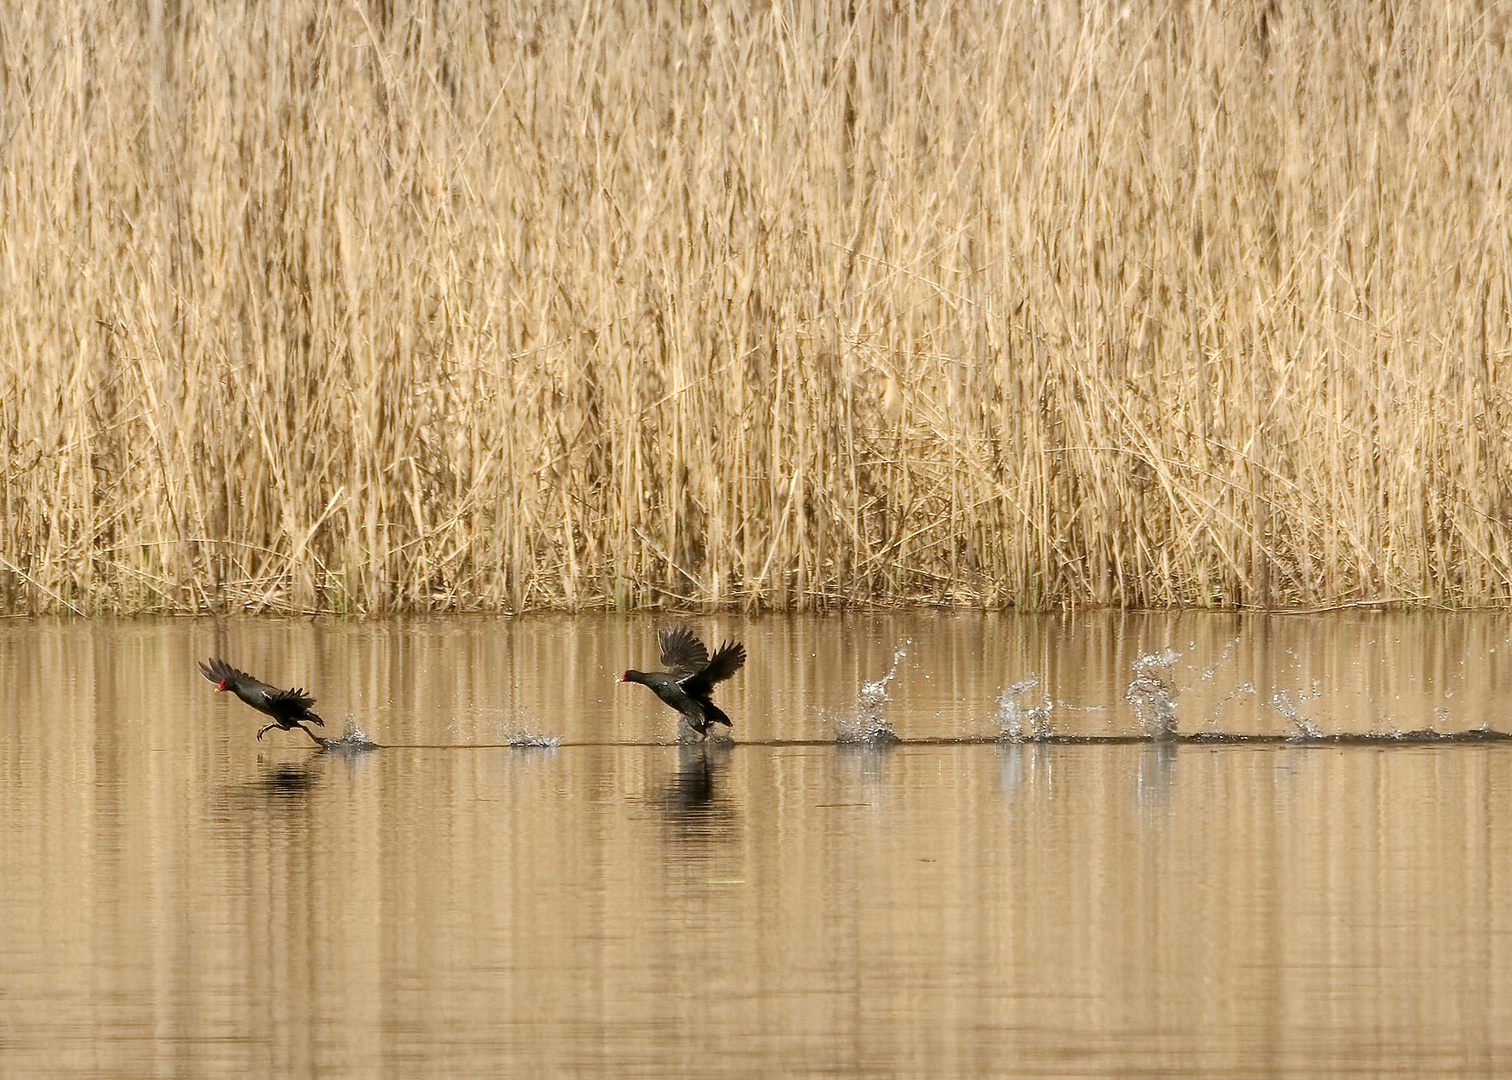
x=869, y=725
x=1017, y=723
x=1153, y=698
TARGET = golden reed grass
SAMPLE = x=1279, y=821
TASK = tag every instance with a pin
x=451, y=306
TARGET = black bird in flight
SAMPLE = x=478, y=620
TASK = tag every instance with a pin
x=690, y=676
x=288, y=708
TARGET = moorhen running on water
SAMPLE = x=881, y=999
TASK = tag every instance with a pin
x=288, y=708
x=690, y=676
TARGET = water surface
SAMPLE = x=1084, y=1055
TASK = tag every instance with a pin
x=177, y=899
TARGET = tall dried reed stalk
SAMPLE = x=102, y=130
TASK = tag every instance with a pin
x=383, y=306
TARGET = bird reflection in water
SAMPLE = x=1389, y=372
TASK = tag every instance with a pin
x=289, y=780
x=241, y=810
x=692, y=806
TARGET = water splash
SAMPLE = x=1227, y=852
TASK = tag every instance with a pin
x=526, y=735
x=1153, y=698
x=874, y=694
x=1225, y=655
x=1215, y=721
x=870, y=725
x=522, y=738
x=1018, y=723
x=352, y=741
x=1303, y=728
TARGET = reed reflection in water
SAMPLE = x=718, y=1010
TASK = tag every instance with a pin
x=179, y=900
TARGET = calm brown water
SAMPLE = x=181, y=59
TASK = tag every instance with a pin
x=177, y=899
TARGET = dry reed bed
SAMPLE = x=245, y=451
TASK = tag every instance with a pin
x=377, y=307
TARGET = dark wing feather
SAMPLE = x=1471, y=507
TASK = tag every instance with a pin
x=295, y=697
x=217, y=670
x=682, y=653
x=727, y=660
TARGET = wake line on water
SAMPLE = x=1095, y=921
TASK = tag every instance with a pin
x=1425, y=737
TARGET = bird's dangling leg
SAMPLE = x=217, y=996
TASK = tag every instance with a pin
x=318, y=740
x=264, y=731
